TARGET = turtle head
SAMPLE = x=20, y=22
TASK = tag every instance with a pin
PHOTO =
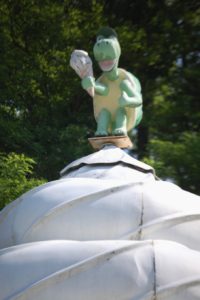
x=107, y=49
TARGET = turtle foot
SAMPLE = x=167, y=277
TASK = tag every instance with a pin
x=119, y=131
x=101, y=133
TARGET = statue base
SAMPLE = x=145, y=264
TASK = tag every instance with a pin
x=122, y=141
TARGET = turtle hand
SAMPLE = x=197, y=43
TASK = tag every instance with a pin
x=124, y=100
x=88, y=82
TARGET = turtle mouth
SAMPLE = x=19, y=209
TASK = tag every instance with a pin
x=107, y=65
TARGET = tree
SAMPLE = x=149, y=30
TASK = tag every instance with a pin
x=41, y=99
x=16, y=173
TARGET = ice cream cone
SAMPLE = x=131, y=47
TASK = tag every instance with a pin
x=82, y=64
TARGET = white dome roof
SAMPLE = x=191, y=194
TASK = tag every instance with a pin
x=105, y=200
x=82, y=207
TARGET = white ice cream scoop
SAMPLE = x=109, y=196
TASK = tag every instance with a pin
x=82, y=64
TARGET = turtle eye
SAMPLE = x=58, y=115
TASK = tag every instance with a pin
x=100, y=37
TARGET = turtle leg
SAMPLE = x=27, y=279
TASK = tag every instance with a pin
x=103, y=122
x=120, y=125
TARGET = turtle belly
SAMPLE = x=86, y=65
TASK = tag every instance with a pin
x=111, y=103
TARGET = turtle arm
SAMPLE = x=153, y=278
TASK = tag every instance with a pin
x=89, y=82
x=131, y=95
x=100, y=88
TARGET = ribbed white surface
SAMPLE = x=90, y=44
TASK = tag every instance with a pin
x=93, y=209
x=106, y=200
x=119, y=270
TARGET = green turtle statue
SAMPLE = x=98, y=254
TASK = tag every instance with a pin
x=117, y=98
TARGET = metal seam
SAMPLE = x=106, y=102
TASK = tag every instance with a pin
x=154, y=272
x=139, y=235
x=137, y=168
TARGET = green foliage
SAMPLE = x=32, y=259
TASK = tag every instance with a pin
x=41, y=97
x=178, y=161
x=15, y=177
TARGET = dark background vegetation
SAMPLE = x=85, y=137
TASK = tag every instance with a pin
x=45, y=116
